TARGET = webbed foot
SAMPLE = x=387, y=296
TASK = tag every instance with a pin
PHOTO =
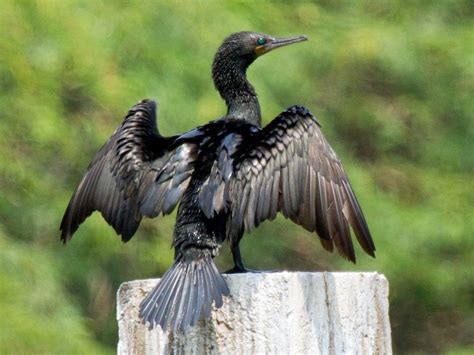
x=243, y=270
x=239, y=267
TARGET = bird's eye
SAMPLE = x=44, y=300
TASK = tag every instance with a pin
x=261, y=41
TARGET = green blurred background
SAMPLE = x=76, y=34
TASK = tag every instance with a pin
x=391, y=82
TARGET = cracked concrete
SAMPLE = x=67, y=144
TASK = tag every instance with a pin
x=273, y=313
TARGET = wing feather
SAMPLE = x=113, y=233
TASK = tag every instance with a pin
x=289, y=167
x=136, y=173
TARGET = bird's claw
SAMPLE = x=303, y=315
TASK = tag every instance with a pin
x=243, y=270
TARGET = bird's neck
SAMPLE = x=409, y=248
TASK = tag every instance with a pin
x=244, y=107
x=231, y=81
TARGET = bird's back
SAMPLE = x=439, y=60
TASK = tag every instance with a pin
x=195, y=222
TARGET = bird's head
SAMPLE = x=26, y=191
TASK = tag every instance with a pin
x=247, y=46
x=229, y=68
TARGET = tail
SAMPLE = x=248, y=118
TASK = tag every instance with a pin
x=185, y=294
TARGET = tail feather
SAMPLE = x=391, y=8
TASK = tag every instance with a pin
x=184, y=295
x=192, y=296
x=206, y=307
x=155, y=297
x=171, y=298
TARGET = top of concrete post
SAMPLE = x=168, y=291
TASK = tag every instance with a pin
x=285, y=312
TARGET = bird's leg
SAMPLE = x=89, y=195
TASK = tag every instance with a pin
x=239, y=267
x=238, y=264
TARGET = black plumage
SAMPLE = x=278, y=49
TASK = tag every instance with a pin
x=228, y=176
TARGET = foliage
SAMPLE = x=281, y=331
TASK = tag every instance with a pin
x=391, y=82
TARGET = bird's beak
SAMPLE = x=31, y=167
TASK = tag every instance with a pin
x=277, y=43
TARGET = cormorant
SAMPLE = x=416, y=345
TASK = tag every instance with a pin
x=228, y=176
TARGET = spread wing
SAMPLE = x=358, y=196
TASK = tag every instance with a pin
x=289, y=167
x=136, y=173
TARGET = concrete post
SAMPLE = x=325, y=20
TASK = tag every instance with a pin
x=273, y=313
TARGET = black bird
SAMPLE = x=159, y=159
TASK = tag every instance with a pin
x=228, y=176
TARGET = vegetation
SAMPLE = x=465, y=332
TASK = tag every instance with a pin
x=390, y=81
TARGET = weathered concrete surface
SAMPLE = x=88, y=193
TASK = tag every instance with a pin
x=273, y=313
